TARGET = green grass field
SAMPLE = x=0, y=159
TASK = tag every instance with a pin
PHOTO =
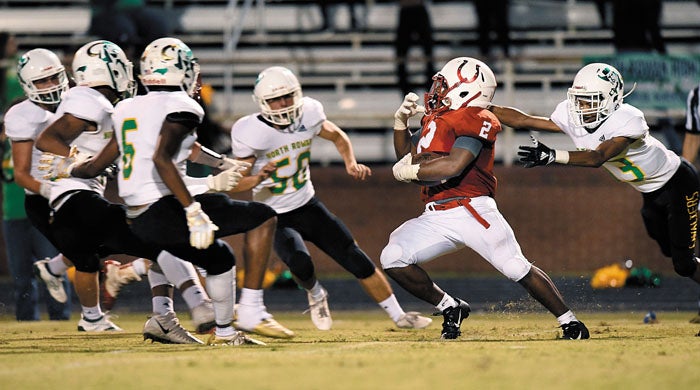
x=365, y=351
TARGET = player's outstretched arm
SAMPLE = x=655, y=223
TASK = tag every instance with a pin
x=515, y=118
x=331, y=132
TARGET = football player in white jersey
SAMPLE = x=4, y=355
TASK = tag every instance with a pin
x=87, y=226
x=281, y=134
x=155, y=138
x=43, y=79
x=615, y=135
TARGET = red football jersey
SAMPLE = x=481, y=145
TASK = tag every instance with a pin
x=439, y=133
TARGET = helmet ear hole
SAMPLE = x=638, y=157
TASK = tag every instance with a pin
x=463, y=94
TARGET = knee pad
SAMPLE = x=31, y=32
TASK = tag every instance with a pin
x=156, y=278
x=685, y=267
x=516, y=268
x=218, y=258
x=300, y=265
x=392, y=257
x=357, y=262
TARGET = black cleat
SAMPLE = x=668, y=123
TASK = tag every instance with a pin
x=453, y=319
x=575, y=330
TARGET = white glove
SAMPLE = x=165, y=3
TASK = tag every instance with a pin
x=404, y=170
x=228, y=163
x=408, y=108
x=224, y=181
x=60, y=167
x=201, y=227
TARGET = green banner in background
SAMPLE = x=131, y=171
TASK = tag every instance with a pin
x=662, y=81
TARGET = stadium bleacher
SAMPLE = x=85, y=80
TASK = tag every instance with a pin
x=353, y=72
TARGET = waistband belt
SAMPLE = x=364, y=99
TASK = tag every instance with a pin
x=450, y=203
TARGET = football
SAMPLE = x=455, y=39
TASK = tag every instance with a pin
x=422, y=157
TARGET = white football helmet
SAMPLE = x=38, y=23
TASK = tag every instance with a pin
x=169, y=62
x=42, y=65
x=103, y=63
x=596, y=93
x=274, y=82
x=462, y=82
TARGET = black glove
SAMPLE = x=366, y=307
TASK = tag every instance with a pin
x=110, y=172
x=540, y=154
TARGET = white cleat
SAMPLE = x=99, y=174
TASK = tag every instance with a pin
x=166, y=328
x=237, y=338
x=54, y=284
x=320, y=313
x=103, y=324
x=413, y=320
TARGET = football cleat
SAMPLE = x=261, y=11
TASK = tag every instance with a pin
x=413, y=320
x=116, y=275
x=203, y=317
x=166, y=329
x=270, y=328
x=575, y=330
x=54, y=284
x=453, y=317
x=237, y=338
x=320, y=313
x=102, y=324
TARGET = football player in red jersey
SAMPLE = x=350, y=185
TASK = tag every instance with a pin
x=460, y=210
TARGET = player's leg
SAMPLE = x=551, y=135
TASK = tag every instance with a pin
x=251, y=314
x=163, y=326
x=258, y=222
x=290, y=247
x=498, y=245
x=183, y=275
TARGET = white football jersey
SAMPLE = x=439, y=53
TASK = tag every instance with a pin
x=23, y=122
x=90, y=105
x=138, y=122
x=646, y=165
x=290, y=185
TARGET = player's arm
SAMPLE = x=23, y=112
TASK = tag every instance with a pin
x=331, y=132
x=173, y=131
x=22, y=160
x=248, y=181
x=462, y=154
x=604, y=152
x=691, y=145
x=58, y=136
x=97, y=164
x=515, y=118
x=402, y=136
x=541, y=154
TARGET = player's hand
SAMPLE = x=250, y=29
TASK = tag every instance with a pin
x=201, y=227
x=57, y=167
x=358, y=171
x=228, y=163
x=539, y=154
x=224, y=181
x=111, y=172
x=404, y=170
x=409, y=107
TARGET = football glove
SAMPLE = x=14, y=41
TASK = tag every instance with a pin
x=408, y=108
x=404, y=170
x=111, y=172
x=228, y=163
x=539, y=154
x=224, y=181
x=201, y=227
x=60, y=167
